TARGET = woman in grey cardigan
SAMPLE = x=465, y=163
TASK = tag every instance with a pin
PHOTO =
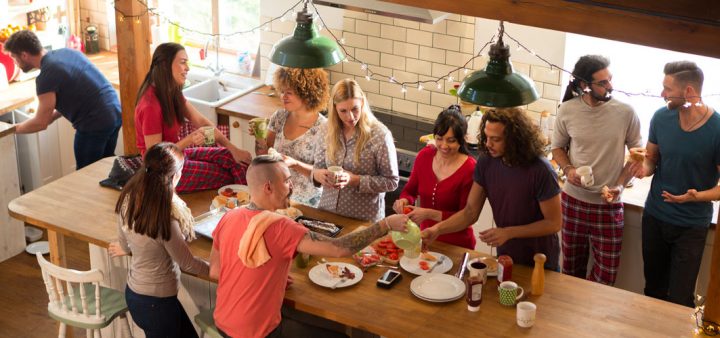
x=154, y=224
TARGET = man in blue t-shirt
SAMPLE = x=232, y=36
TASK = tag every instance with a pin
x=522, y=188
x=683, y=152
x=69, y=85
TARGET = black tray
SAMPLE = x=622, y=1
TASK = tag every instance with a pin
x=319, y=230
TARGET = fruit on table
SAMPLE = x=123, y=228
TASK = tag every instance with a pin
x=10, y=29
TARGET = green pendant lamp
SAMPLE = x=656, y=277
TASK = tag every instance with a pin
x=498, y=85
x=306, y=48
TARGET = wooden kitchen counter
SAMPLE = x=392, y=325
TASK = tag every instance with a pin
x=19, y=94
x=252, y=105
x=76, y=206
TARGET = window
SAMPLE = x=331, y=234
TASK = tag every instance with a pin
x=639, y=69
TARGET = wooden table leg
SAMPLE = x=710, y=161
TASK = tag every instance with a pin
x=712, y=302
x=56, y=241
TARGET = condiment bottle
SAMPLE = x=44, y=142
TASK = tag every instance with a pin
x=505, y=264
x=473, y=296
x=538, y=275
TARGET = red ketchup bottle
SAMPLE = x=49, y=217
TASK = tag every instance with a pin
x=505, y=264
x=474, y=288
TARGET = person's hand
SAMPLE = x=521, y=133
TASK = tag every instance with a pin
x=290, y=280
x=240, y=156
x=396, y=222
x=197, y=137
x=342, y=179
x=638, y=169
x=572, y=177
x=689, y=196
x=495, y=236
x=115, y=250
x=430, y=234
x=399, y=205
x=324, y=177
x=615, y=191
x=289, y=161
x=418, y=215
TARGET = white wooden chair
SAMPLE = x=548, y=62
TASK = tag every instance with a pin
x=77, y=299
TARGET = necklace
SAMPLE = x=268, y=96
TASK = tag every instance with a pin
x=707, y=109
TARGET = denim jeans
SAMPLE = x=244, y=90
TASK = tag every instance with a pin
x=92, y=146
x=671, y=255
x=159, y=316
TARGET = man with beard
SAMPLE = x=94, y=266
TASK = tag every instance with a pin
x=593, y=129
x=252, y=251
x=69, y=85
x=683, y=152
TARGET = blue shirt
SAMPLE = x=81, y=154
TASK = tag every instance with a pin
x=83, y=95
x=515, y=194
x=688, y=160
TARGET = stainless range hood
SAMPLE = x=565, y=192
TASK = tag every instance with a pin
x=387, y=9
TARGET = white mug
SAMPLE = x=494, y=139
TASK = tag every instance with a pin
x=586, y=176
x=526, y=314
x=336, y=170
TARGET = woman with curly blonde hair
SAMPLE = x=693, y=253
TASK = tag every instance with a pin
x=356, y=141
x=292, y=130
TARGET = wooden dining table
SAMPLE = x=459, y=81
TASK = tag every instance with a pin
x=76, y=206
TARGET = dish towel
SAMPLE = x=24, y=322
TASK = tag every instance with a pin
x=252, y=250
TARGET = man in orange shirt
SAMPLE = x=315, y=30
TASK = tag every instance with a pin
x=251, y=287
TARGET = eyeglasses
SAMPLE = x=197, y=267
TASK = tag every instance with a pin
x=603, y=83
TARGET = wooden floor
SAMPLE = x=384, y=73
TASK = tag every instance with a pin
x=23, y=300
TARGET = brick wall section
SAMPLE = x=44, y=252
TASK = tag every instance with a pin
x=94, y=12
x=412, y=51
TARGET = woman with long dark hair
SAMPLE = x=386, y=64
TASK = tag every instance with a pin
x=441, y=178
x=161, y=109
x=154, y=224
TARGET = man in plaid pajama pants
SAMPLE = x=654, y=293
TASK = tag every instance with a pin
x=593, y=129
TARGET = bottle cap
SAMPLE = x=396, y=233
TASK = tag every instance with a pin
x=473, y=308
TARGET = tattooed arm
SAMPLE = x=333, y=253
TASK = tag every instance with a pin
x=320, y=245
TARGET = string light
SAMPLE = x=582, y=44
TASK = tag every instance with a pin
x=420, y=87
x=403, y=89
x=342, y=41
x=439, y=85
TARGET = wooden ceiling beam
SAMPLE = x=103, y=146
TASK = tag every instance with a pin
x=659, y=23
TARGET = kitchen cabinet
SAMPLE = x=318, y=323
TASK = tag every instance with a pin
x=239, y=135
x=39, y=154
x=12, y=240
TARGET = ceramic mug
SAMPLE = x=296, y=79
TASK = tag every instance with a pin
x=586, y=176
x=526, y=314
x=209, y=133
x=477, y=268
x=336, y=170
x=509, y=293
x=259, y=126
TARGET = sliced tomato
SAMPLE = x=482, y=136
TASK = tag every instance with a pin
x=424, y=267
x=393, y=256
x=407, y=210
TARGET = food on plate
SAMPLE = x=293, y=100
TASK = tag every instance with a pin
x=228, y=192
x=291, y=212
x=424, y=265
x=324, y=228
x=428, y=256
x=336, y=271
x=367, y=259
x=491, y=264
x=606, y=194
x=243, y=197
x=389, y=252
x=638, y=154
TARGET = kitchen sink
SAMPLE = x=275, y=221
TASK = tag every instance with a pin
x=206, y=95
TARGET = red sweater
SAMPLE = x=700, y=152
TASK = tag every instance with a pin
x=448, y=195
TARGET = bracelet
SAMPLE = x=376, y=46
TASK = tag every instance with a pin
x=564, y=169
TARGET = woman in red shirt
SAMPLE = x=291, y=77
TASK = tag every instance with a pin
x=161, y=109
x=441, y=177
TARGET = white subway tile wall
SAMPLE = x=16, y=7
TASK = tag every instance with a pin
x=94, y=12
x=411, y=51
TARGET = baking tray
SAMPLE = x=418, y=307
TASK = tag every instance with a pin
x=305, y=221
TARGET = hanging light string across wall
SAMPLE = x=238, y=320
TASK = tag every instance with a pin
x=369, y=73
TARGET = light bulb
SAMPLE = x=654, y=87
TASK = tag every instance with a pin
x=392, y=79
x=363, y=66
x=367, y=77
x=450, y=79
x=403, y=89
x=439, y=85
x=465, y=71
x=342, y=41
x=121, y=18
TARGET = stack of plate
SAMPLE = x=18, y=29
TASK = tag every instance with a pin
x=437, y=288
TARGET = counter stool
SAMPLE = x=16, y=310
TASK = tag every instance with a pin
x=205, y=321
x=87, y=304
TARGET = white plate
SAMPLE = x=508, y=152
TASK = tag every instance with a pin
x=42, y=247
x=235, y=188
x=437, y=287
x=320, y=276
x=411, y=265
